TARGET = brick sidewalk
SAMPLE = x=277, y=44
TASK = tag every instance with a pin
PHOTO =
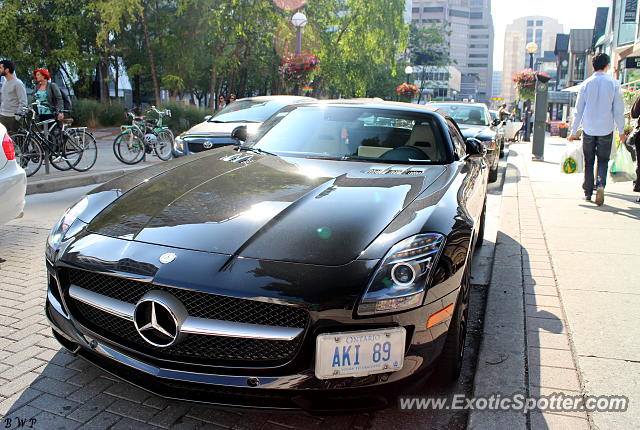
x=525, y=347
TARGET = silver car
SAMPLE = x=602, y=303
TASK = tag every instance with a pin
x=13, y=181
x=216, y=130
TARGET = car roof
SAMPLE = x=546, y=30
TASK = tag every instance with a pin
x=282, y=98
x=460, y=103
x=378, y=103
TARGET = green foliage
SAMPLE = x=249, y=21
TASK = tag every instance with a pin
x=428, y=45
x=193, y=48
x=87, y=112
x=183, y=117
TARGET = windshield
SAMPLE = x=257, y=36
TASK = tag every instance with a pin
x=353, y=133
x=247, y=111
x=465, y=114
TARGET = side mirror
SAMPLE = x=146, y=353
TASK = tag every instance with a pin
x=475, y=148
x=239, y=133
x=496, y=122
x=208, y=117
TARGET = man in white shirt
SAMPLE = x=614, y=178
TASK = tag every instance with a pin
x=600, y=110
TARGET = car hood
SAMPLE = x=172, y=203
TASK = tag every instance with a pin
x=481, y=132
x=284, y=209
x=220, y=128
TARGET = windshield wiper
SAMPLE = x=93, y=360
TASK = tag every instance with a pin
x=256, y=150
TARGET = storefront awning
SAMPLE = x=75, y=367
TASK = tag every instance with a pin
x=573, y=89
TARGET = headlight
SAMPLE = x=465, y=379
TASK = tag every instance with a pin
x=401, y=280
x=179, y=144
x=61, y=230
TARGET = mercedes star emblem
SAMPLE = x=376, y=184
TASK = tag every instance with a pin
x=167, y=258
x=157, y=318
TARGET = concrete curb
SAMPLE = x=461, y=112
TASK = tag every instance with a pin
x=497, y=370
x=80, y=180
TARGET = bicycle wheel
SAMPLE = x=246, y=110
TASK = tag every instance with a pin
x=56, y=158
x=28, y=153
x=164, y=144
x=80, y=149
x=129, y=148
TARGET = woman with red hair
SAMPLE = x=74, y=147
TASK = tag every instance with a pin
x=49, y=95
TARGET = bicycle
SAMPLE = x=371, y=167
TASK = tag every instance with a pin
x=143, y=136
x=73, y=148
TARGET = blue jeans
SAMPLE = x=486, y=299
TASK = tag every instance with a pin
x=600, y=147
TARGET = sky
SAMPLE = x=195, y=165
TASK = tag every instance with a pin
x=570, y=13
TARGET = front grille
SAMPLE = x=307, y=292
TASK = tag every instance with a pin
x=198, y=304
x=194, y=348
x=196, y=144
x=202, y=349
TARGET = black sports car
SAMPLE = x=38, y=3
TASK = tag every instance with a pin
x=317, y=266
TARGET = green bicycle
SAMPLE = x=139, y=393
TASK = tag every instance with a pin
x=143, y=136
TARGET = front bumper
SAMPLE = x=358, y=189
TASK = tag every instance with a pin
x=187, y=145
x=290, y=387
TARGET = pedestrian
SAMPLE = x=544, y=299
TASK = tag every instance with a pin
x=49, y=95
x=503, y=113
x=13, y=97
x=222, y=103
x=600, y=110
x=232, y=98
x=635, y=139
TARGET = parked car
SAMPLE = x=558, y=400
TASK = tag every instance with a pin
x=216, y=130
x=500, y=129
x=321, y=265
x=475, y=121
x=13, y=181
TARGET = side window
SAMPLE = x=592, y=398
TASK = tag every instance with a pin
x=458, y=141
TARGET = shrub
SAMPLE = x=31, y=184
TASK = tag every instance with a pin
x=92, y=113
x=183, y=117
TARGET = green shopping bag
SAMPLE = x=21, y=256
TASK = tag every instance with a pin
x=622, y=169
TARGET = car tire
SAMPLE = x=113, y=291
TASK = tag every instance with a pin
x=452, y=356
x=483, y=219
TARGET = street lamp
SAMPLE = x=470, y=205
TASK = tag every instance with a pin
x=531, y=48
x=408, y=70
x=299, y=20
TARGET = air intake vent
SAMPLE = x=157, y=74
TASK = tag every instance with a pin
x=238, y=158
x=395, y=171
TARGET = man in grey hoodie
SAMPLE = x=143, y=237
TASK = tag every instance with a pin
x=13, y=97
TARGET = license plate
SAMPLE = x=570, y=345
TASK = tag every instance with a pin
x=359, y=353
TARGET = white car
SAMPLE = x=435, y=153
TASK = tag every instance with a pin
x=13, y=181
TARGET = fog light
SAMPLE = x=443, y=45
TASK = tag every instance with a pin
x=403, y=274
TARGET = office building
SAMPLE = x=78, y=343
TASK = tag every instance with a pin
x=539, y=29
x=470, y=42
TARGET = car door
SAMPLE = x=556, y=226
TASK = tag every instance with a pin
x=472, y=192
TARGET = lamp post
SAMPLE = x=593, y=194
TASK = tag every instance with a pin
x=408, y=70
x=299, y=20
x=531, y=48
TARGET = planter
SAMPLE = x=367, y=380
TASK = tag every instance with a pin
x=564, y=132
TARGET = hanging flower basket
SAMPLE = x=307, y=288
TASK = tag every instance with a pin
x=299, y=67
x=406, y=92
x=526, y=83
